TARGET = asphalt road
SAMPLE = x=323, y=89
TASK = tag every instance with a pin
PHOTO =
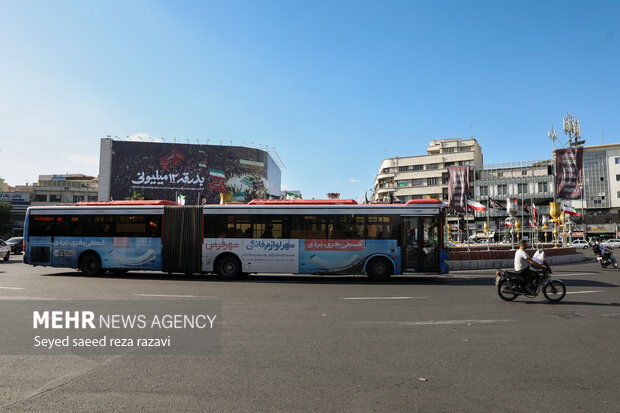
x=339, y=344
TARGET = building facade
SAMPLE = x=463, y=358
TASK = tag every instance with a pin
x=61, y=189
x=425, y=176
x=530, y=182
x=601, y=191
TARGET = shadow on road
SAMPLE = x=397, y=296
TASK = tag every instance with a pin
x=326, y=279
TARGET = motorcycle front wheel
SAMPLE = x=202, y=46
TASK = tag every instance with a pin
x=504, y=289
x=554, y=291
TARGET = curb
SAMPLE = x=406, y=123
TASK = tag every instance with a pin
x=504, y=263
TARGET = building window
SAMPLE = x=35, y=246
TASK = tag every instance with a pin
x=543, y=187
x=432, y=181
x=402, y=183
x=617, y=177
x=484, y=191
x=448, y=150
x=417, y=182
x=500, y=174
x=92, y=197
x=502, y=189
x=54, y=198
x=522, y=188
x=465, y=163
x=444, y=181
x=402, y=169
x=523, y=173
x=464, y=148
x=448, y=164
x=40, y=198
x=617, y=161
x=618, y=196
x=431, y=166
x=78, y=198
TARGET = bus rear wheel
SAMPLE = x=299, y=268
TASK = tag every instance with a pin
x=90, y=265
x=228, y=267
x=379, y=269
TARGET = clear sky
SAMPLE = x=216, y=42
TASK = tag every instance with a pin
x=333, y=86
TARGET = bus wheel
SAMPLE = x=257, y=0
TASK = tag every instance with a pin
x=379, y=269
x=228, y=267
x=90, y=265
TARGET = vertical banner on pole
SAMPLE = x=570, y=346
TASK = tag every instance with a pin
x=458, y=187
x=569, y=164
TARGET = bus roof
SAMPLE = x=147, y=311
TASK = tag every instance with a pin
x=125, y=203
x=303, y=202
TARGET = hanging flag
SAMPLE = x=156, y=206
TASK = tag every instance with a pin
x=495, y=204
x=456, y=227
x=475, y=205
x=571, y=211
x=366, y=201
x=531, y=224
x=181, y=199
x=535, y=212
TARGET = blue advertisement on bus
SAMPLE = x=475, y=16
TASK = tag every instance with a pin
x=115, y=252
x=303, y=256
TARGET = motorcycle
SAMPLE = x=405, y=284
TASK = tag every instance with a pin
x=510, y=285
x=607, y=258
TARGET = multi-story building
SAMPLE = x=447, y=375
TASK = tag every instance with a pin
x=425, y=176
x=601, y=190
x=62, y=189
x=528, y=181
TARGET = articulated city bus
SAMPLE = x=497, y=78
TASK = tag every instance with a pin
x=291, y=237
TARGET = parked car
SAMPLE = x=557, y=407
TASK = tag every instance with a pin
x=579, y=243
x=613, y=243
x=16, y=244
x=5, y=250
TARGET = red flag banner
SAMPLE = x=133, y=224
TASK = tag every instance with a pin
x=569, y=164
x=458, y=187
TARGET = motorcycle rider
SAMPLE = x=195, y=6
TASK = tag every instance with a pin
x=522, y=266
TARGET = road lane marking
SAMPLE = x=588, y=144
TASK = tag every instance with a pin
x=434, y=322
x=11, y=288
x=380, y=298
x=584, y=292
x=173, y=295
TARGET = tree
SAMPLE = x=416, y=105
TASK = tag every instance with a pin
x=5, y=219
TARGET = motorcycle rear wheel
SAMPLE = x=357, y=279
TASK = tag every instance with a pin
x=615, y=265
x=554, y=291
x=506, y=295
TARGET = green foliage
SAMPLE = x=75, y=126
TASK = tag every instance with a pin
x=5, y=219
x=136, y=196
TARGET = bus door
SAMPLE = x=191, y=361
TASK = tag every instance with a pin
x=410, y=244
x=430, y=233
x=40, y=239
x=420, y=244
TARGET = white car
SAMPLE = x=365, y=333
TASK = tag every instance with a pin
x=5, y=250
x=613, y=243
x=579, y=243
